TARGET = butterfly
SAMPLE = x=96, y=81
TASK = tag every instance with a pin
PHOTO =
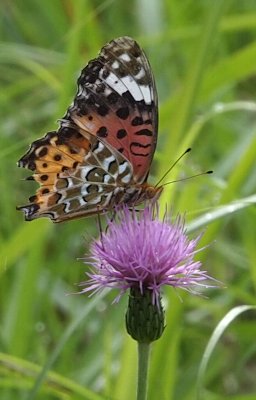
x=101, y=154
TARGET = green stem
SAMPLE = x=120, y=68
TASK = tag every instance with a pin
x=143, y=360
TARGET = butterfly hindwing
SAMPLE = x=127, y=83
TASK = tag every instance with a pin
x=78, y=176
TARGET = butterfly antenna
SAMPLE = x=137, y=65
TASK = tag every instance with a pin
x=172, y=166
x=189, y=177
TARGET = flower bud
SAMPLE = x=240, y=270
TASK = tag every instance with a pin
x=144, y=320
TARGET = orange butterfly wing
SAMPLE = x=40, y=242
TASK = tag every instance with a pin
x=101, y=154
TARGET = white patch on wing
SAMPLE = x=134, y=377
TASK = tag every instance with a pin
x=115, y=83
x=124, y=167
x=67, y=207
x=126, y=178
x=80, y=91
x=107, y=178
x=70, y=182
x=115, y=64
x=99, y=148
x=146, y=93
x=96, y=200
x=82, y=202
x=140, y=74
x=138, y=92
x=107, y=91
x=132, y=86
x=125, y=57
x=84, y=191
x=107, y=161
x=85, y=171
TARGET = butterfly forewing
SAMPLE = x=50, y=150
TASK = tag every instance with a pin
x=117, y=101
x=101, y=154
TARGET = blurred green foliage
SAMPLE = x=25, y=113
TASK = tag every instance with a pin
x=203, y=55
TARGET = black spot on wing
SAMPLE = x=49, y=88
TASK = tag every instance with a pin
x=113, y=98
x=137, y=121
x=103, y=110
x=123, y=112
x=45, y=191
x=144, y=132
x=57, y=157
x=102, y=132
x=138, y=149
x=43, y=152
x=121, y=133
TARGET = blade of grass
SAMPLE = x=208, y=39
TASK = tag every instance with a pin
x=219, y=330
x=55, y=383
x=186, y=102
x=236, y=179
x=222, y=211
x=84, y=32
x=62, y=342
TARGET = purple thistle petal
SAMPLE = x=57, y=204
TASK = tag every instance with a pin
x=139, y=250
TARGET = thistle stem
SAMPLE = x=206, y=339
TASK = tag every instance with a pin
x=143, y=361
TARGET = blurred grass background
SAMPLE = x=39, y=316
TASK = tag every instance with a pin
x=203, y=55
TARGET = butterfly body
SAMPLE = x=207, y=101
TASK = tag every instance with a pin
x=101, y=154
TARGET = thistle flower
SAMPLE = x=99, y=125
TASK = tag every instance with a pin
x=142, y=252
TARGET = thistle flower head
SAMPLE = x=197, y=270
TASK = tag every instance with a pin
x=141, y=251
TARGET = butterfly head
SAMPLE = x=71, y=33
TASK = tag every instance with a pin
x=152, y=192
